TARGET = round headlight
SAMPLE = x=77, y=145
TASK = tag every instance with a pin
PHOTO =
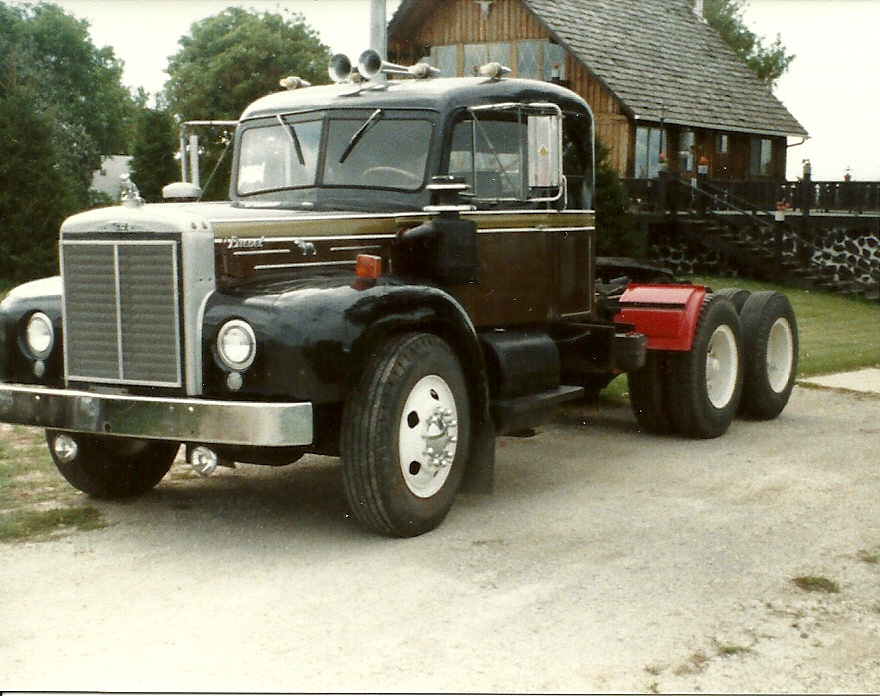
x=237, y=345
x=39, y=335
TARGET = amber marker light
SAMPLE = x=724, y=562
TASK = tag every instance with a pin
x=368, y=267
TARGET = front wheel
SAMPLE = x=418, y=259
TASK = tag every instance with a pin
x=405, y=435
x=110, y=467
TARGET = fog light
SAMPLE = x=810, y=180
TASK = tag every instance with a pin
x=203, y=460
x=65, y=448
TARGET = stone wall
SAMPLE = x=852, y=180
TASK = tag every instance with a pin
x=845, y=254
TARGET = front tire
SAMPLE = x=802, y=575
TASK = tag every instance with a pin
x=110, y=467
x=706, y=382
x=405, y=436
x=771, y=348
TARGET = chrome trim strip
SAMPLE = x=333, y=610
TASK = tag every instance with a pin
x=304, y=264
x=261, y=252
x=362, y=247
x=309, y=217
x=253, y=424
x=117, y=290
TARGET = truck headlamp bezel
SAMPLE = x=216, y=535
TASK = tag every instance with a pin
x=39, y=336
x=236, y=345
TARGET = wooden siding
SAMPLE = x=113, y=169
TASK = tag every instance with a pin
x=462, y=22
x=459, y=22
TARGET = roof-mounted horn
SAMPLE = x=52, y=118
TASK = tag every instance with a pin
x=370, y=65
x=339, y=68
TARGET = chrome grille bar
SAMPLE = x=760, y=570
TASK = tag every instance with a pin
x=122, y=311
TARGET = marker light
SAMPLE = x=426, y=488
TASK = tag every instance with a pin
x=368, y=267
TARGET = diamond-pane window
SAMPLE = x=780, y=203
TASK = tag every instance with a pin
x=446, y=60
x=528, y=62
x=499, y=53
x=474, y=57
x=554, y=55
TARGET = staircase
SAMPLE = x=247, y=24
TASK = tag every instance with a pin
x=756, y=247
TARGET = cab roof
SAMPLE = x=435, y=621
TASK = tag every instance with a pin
x=439, y=94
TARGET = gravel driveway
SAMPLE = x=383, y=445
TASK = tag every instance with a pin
x=607, y=560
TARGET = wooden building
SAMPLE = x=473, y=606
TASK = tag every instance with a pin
x=658, y=78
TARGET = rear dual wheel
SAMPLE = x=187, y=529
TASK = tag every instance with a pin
x=694, y=393
x=771, y=347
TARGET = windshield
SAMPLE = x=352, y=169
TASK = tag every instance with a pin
x=378, y=149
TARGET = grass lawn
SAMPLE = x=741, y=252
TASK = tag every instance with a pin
x=836, y=333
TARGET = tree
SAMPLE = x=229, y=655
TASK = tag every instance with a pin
x=153, y=164
x=62, y=106
x=618, y=232
x=231, y=59
x=768, y=62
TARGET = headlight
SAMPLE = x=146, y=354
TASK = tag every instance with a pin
x=237, y=345
x=39, y=336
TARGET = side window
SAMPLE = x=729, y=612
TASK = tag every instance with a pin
x=489, y=153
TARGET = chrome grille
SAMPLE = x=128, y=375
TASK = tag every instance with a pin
x=122, y=311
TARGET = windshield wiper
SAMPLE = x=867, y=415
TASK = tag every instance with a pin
x=291, y=133
x=374, y=117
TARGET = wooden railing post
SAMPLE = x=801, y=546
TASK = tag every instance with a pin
x=806, y=204
x=778, y=229
x=662, y=182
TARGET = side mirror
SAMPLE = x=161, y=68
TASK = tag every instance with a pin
x=545, y=152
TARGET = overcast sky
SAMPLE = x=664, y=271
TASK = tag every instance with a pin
x=832, y=87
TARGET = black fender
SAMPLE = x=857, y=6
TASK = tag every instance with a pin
x=314, y=338
x=42, y=295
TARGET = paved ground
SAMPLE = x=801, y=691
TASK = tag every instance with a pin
x=867, y=380
x=607, y=560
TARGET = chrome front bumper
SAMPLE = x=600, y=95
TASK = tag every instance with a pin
x=182, y=420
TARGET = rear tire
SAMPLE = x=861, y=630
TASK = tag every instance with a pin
x=737, y=296
x=405, y=436
x=648, y=394
x=771, y=354
x=110, y=467
x=706, y=382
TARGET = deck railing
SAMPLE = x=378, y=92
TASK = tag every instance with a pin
x=826, y=196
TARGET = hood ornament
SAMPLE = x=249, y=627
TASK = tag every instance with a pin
x=129, y=196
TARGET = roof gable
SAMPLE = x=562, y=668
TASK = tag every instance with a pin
x=659, y=59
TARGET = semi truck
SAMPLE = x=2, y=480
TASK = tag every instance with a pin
x=404, y=270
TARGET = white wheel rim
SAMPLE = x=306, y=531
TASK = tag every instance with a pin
x=780, y=355
x=428, y=436
x=722, y=358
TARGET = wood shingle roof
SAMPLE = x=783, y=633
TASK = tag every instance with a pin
x=660, y=60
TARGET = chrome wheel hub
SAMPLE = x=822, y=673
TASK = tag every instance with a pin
x=428, y=436
x=780, y=355
x=721, y=366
